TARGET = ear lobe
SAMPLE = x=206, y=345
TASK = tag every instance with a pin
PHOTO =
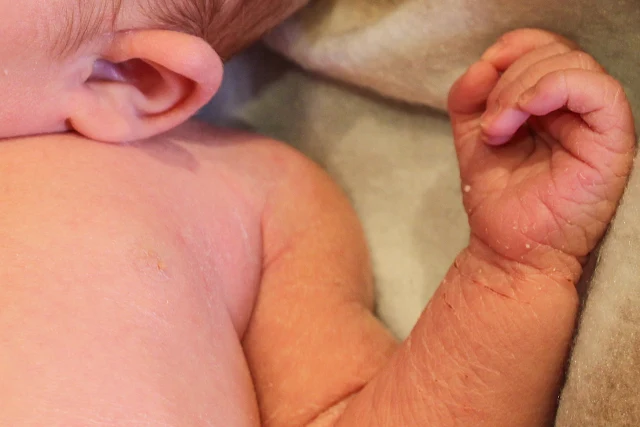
x=147, y=82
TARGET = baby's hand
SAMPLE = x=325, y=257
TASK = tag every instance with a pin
x=545, y=141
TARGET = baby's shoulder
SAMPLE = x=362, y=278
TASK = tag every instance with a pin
x=255, y=157
x=283, y=180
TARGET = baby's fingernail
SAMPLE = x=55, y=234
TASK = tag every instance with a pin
x=494, y=140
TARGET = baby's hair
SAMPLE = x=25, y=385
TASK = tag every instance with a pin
x=84, y=20
x=228, y=25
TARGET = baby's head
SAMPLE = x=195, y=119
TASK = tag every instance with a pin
x=119, y=70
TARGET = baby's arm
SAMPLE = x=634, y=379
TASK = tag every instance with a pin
x=545, y=141
x=487, y=351
x=490, y=346
x=313, y=340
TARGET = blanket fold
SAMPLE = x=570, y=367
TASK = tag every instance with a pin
x=413, y=50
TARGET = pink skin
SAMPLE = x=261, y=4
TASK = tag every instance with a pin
x=206, y=277
x=74, y=65
x=569, y=137
x=129, y=276
x=30, y=93
x=47, y=81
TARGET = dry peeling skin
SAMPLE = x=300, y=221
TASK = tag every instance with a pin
x=377, y=49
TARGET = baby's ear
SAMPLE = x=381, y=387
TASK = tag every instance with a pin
x=145, y=83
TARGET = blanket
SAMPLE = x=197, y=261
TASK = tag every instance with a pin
x=367, y=103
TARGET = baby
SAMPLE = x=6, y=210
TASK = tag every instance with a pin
x=196, y=276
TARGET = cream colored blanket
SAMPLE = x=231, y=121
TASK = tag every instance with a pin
x=397, y=163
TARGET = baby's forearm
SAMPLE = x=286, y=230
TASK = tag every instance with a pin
x=488, y=350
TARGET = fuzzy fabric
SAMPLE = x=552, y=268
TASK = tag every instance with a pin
x=397, y=162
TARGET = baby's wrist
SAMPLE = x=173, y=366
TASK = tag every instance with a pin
x=542, y=265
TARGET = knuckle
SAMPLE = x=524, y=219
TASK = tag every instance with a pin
x=584, y=61
x=531, y=77
x=557, y=48
x=613, y=84
x=613, y=93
